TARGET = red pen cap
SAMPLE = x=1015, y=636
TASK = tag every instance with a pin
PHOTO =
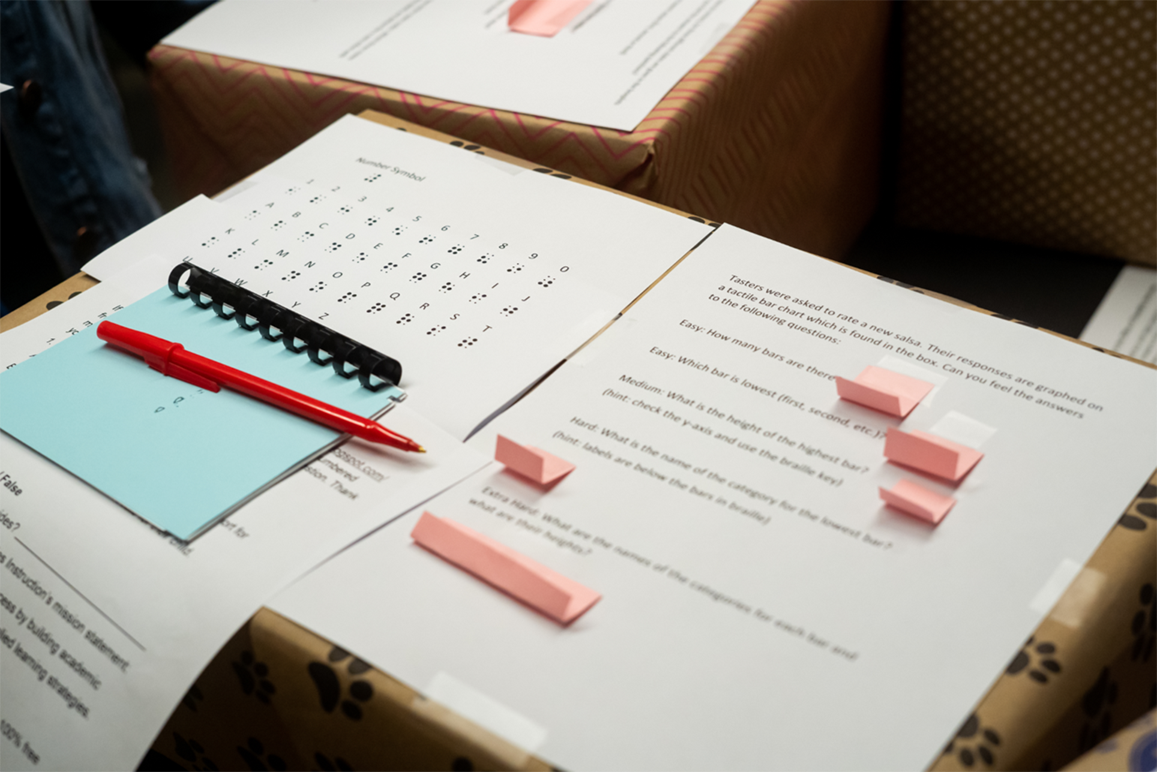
x=157, y=352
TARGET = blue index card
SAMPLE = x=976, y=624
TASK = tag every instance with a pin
x=178, y=456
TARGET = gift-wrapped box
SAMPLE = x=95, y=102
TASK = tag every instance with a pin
x=776, y=130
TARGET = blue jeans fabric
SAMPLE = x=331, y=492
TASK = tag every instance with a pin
x=66, y=132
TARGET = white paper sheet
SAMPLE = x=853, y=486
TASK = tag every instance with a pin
x=609, y=67
x=758, y=596
x=478, y=279
x=1126, y=319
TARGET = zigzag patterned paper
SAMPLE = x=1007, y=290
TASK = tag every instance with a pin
x=775, y=130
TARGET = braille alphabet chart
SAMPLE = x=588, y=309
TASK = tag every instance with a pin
x=479, y=276
x=364, y=260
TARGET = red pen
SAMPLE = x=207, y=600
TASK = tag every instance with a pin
x=173, y=360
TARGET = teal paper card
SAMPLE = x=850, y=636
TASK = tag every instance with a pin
x=178, y=456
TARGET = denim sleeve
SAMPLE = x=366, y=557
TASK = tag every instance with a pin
x=64, y=125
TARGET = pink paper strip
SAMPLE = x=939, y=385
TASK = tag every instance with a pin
x=930, y=454
x=536, y=465
x=918, y=501
x=563, y=600
x=543, y=17
x=884, y=390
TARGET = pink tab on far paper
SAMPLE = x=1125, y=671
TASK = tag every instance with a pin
x=884, y=390
x=543, y=17
x=552, y=594
x=536, y=465
x=917, y=501
x=930, y=454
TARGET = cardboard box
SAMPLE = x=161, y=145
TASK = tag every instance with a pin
x=776, y=130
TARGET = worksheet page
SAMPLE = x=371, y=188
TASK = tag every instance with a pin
x=475, y=274
x=1126, y=319
x=609, y=66
x=105, y=622
x=757, y=593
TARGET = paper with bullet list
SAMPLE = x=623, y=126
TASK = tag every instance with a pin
x=726, y=505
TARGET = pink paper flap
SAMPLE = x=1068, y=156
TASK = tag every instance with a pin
x=559, y=598
x=543, y=17
x=918, y=501
x=884, y=390
x=537, y=465
x=930, y=454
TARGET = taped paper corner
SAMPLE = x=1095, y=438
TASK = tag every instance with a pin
x=884, y=390
x=523, y=735
x=563, y=600
x=930, y=454
x=918, y=501
x=534, y=464
x=544, y=18
x=1071, y=593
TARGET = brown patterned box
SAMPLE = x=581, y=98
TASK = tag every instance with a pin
x=776, y=130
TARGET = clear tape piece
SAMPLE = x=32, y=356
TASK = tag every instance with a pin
x=963, y=430
x=1047, y=597
x=485, y=711
x=1082, y=596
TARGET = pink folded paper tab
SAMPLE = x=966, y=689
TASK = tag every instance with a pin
x=884, y=390
x=559, y=598
x=917, y=501
x=532, y=463
x=543, y=17
x=930, y=454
